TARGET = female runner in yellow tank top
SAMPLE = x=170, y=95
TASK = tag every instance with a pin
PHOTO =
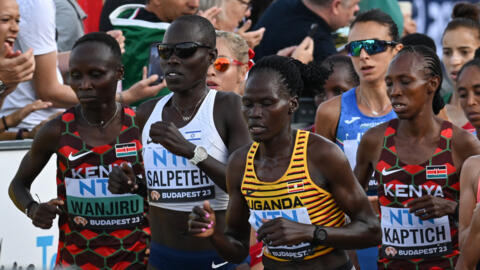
x=292, y=186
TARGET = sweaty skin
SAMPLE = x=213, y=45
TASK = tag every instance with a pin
x=268, y=113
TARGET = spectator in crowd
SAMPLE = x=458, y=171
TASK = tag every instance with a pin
x=297, y=18
x=90, y=139
x=409, y=25
x=373, y=42
x=109, y=6
x=15, y=67
x=38, y=33
x=69, y=18
x=143, y=26
x=227, y=15
x=416, y=160
x=460, y=40
x=468, y=82
x=228, y=71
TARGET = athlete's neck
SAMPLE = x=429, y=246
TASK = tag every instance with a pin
x=97, y=113
x=189, y=98
x=271, y=148
x=420, y=126
x=374, y=98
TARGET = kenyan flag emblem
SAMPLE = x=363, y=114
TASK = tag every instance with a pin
x=125, y=150
x=436, y=172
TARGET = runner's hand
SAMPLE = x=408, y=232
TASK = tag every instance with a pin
x=428, y=207
x=43, y=214
x=122, y=180
x=201, y=221
x=281, y=231
x=167, y=134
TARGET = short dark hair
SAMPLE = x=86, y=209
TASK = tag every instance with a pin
x=102, y=37
x=203, y=26
x=419, y=39
x=342, y=60
x=378, y=16
x=465, y=15
x=294, y=75
x=433, y=65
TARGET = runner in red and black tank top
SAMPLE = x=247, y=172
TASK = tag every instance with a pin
x=408, y=242
x=99, y=229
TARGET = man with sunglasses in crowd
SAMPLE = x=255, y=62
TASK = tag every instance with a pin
x=142, y=26
x=344, y=119
x=298, y=17
x=187, y=137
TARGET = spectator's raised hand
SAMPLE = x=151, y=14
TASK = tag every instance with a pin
x=119, y=37
x=304, y=51
x=143, y=89
x=16, y=67
x=211, y=15
x=253, y=38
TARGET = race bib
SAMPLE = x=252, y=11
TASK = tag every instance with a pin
x=407, y=236
x=291, y=252
x=173, y=179
x=90, y=205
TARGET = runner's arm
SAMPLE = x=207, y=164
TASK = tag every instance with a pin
x=468, y=179
x=368, y=152
x=233, y=244
x=233, y=130
x=469, y=256
x=43, y=146
x=364, y=229
x=326, y=118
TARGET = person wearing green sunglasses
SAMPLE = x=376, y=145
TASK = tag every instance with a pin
x=344, y=119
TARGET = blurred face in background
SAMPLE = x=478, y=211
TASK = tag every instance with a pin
x=227, y=73
x=459, y=47
x=233, y=12
x=169, y=10
x=9, y=19
x=344, y=12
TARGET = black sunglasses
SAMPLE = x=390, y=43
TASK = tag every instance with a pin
x=371, y=46
x=182, y=50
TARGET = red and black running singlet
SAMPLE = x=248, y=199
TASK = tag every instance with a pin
x=407, y=241
x=98, y=229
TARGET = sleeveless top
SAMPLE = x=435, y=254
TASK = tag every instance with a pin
x=351, y=127
x=173, y=182
x=409, y=242
x=99, y=229
x=294, y=196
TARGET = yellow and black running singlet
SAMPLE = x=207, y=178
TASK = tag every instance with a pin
x=407, y=241
x=98, y=229
x=294, y=196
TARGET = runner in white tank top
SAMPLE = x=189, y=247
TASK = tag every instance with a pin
x=188, y=136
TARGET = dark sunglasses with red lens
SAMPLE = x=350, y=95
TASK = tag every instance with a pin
x=182, y=50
